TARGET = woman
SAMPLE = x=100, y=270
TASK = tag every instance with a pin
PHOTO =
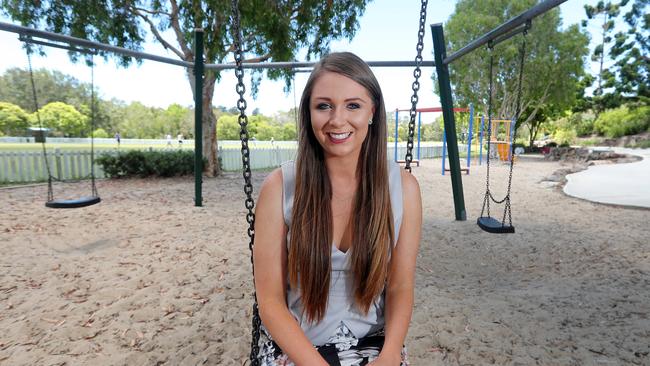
x=337, y=233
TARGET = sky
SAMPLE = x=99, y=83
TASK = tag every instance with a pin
x=387, y=32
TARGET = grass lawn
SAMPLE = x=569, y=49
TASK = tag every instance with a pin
x=10, y=147
x=51, y=146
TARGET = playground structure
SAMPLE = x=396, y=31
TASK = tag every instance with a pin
x=419, y=112
x=503, y=138
x=503, y=132
x=470, y=133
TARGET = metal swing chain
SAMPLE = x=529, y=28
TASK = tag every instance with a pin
x=522, y=56
x=50, y=177
x=50, y=193
x=92, y=126
x=416, y=86
x=488, y=195
x=248, y=186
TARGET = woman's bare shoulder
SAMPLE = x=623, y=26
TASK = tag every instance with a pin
x=410, y=185
x=273, y=181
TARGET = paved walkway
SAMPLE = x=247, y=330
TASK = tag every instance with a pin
x=621, y=184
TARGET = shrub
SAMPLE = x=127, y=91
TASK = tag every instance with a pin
x=148, y=163
x=623, y=121
x=583, y=123
x=642, y=145
x=564, y=136
x=13, y=120
x=100, y=133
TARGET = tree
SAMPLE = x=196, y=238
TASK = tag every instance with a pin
x=51, y=86
x=554, y=60
x=628, y=78
x=272, y=31
x=140, y=121
x=13, y=120
x=228, y=128
x=287, y=132
x=63, y=119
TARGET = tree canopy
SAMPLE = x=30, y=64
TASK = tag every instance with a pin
x=63, y=120
x=554, y=62
x=272, y=30
x=13, y=120
x=626, y=44
x=51, y=86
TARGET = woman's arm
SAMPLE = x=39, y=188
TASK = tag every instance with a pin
x=270, y=260
x=401, y=275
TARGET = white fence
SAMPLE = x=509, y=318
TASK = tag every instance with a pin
x=29, y=166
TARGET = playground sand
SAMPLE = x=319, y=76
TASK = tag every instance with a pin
x=146, y=278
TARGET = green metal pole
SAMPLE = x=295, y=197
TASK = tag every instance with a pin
x=198, y=116
x=447, y=102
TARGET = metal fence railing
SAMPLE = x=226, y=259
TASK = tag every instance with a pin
x=29, y=166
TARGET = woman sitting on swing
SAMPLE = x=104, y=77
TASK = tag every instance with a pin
x=337, y=232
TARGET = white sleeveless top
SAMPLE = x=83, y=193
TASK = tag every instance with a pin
x=340, y=304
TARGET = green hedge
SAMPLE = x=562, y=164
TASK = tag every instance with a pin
x=139, y=163
x=623, y=121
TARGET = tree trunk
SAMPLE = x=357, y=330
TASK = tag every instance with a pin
x=209, y=124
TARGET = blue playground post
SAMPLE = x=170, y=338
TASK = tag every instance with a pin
x=444, y=151
x=419, y=124
x=512, y=136
x=480, y=141
x=469, y=143
x=396, y=135
x=469, y=134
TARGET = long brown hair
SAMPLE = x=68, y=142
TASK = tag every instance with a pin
x=309, y=257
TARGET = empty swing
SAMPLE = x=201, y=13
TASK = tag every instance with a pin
x=51, y=201
x=489, y=223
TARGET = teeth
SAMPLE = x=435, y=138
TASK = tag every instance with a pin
x=340, y=136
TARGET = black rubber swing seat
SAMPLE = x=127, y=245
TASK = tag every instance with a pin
x=492, y=225
x=75, y=203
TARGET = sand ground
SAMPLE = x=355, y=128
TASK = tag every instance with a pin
x=146, y=278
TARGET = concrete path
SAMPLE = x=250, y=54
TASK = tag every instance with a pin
x=620, y=184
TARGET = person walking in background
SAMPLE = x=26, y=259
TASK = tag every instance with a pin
x=169, y=140
x=180, y=140
x=117, y=138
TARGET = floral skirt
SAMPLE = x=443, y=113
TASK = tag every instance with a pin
x=342, y=349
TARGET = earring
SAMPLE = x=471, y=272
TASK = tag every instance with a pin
x=370, y=121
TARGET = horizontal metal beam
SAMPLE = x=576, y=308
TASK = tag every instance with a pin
x=433, y=109
x=28, y=39
x=506, y=27
x=303, y=65
x=35, y=33
x=31, y=33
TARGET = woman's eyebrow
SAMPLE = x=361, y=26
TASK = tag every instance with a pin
x=356, y=99
x=352, y=99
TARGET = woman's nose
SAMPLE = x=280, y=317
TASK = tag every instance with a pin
x=337, y=118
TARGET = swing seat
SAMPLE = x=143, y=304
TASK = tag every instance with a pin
x=492, y=225
x=74, y=203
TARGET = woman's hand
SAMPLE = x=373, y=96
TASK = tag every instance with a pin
x=387, y=360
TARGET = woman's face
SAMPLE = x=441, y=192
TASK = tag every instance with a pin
x=340, y=109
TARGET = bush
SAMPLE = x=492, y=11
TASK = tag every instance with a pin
x=623, y=121
x=138, y=163
x=565, y=136
x=13, y=120
x=583, y=123
x=100, y=133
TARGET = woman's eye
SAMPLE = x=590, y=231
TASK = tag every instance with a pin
x=322, y=106
x=354, y=106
